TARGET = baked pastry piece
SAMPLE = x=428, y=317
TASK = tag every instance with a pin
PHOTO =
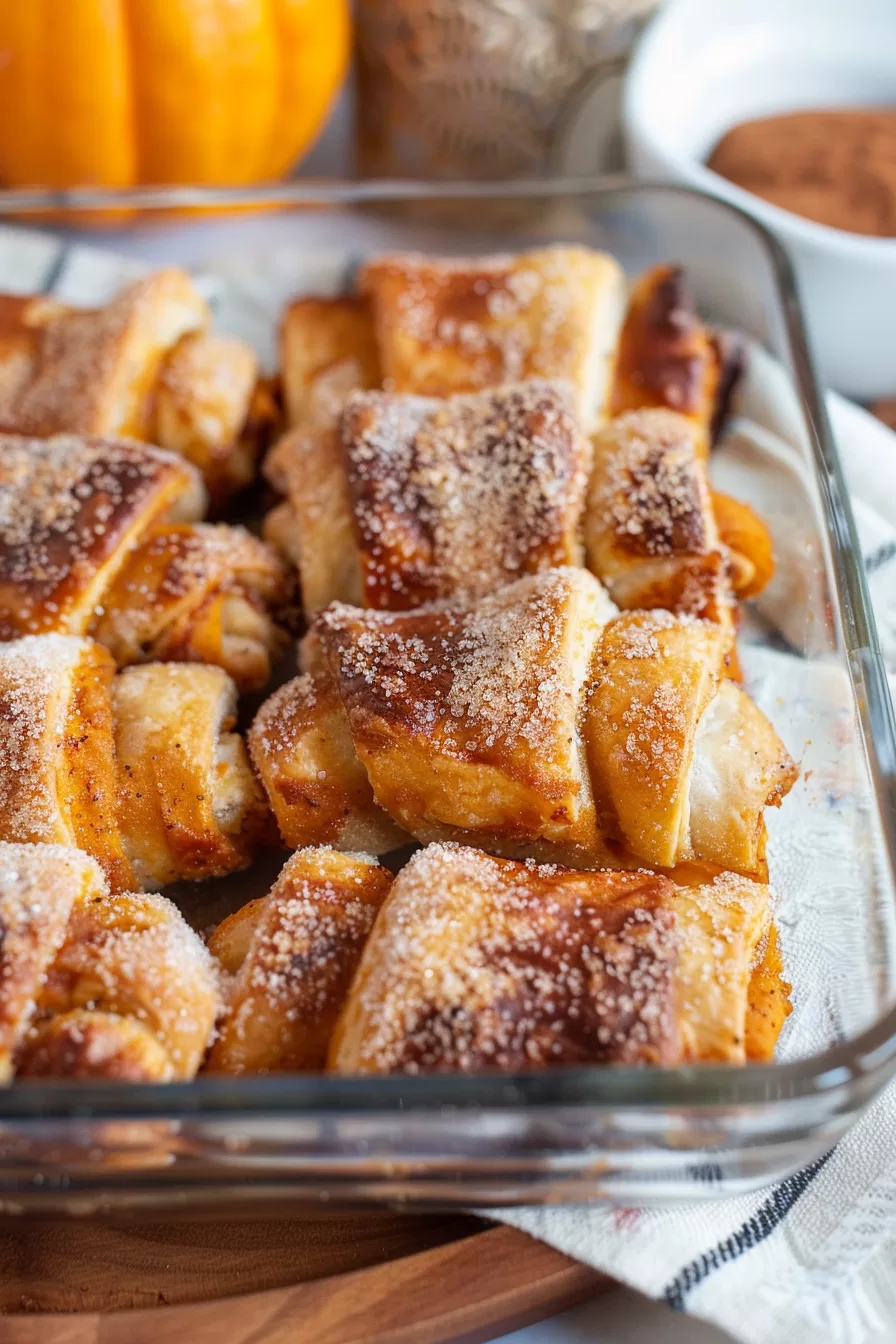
x=650, y=529
x=303, y=752
x=141, y=770
x=682, y=762
x=534, y=724
x=667, y=359
x=144, y=367
x=462, y=324
x=132, y=994
x=95, y=985
x=39, y=885
x=189, y=805
x=314, y=526
x=478, y=963
x=98, y=536
x=327, y=350
x=414, y=499
x=293, y=954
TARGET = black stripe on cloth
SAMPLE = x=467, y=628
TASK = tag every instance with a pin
x=54, y=273
x=755, y=1229
x=882, y=556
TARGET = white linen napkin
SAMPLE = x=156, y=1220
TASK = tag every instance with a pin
x=812, y=1259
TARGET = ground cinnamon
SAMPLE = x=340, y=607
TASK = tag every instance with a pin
x=837, y=167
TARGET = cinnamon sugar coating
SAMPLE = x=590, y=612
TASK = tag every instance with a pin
x=449, y=325
x=69, y=510
x=457, y=498
x=293, y=954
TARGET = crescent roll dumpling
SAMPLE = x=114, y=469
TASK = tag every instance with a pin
x=302, y=749
x=39, y=885
x=682, y=762
x=198, y=592
x=314, y=526
x=666, y=356
x=70, y=510
x=58, y=774
x=203, y=401
x=132, y=993
x=463, y=324
x=466, y=721
x=457, y=498
x=650, y=530
x=93, y=371
x=478, y=964
x=189, y=804
x=293, y=954
x=141, y=770
x=327, y=349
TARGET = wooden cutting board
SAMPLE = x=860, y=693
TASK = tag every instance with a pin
x=318, y=1278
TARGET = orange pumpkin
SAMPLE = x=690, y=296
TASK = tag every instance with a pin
x=124, y=92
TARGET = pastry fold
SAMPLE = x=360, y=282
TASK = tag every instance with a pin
x=413, y=499
x=189, y=805
x=537, y=723
x=668, y=359
x=446, y=325
x=99, y=536
x=144, y=366
x=479, y=963
x=328, y=349
x=650, y=528
x=292, y=954
x=95, y=985
x=140, y=770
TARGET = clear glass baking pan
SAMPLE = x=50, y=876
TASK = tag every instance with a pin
x=636, y=1136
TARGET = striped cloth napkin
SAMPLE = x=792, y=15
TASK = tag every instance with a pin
x=811, y=1260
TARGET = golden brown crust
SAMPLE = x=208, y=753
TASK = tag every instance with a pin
x=327, y=349
x=653, y=677
x=461, y=325
x=650, y=530
x=768, y=1000
x=302, y=748
x=134, y=956
x=58, y=780
x=317, y=531
x=85, y=1044
x=203, y=399
x=721, y=927
x=69, y=510
x=189, y=805
x=458, y=498
x=749, y=545
x=477, y=963
x=466, y=720
x=197, y=593
x=304, y=943
x=93, y=371
x=39, y=885
x=666, y=357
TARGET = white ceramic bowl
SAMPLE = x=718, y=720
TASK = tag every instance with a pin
x=704, y=65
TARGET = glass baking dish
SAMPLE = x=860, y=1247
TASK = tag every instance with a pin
x=633, y=1136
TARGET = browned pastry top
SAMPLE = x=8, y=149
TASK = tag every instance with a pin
x=457, y=498
x=68, y=509
x=651, y=497
x=481, y=963
x=663, y=348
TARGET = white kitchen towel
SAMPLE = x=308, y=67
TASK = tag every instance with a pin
x=812, y=1259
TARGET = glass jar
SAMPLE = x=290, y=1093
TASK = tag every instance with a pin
x=486, y=88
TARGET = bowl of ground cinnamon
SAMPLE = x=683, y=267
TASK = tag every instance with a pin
x=787, y=109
